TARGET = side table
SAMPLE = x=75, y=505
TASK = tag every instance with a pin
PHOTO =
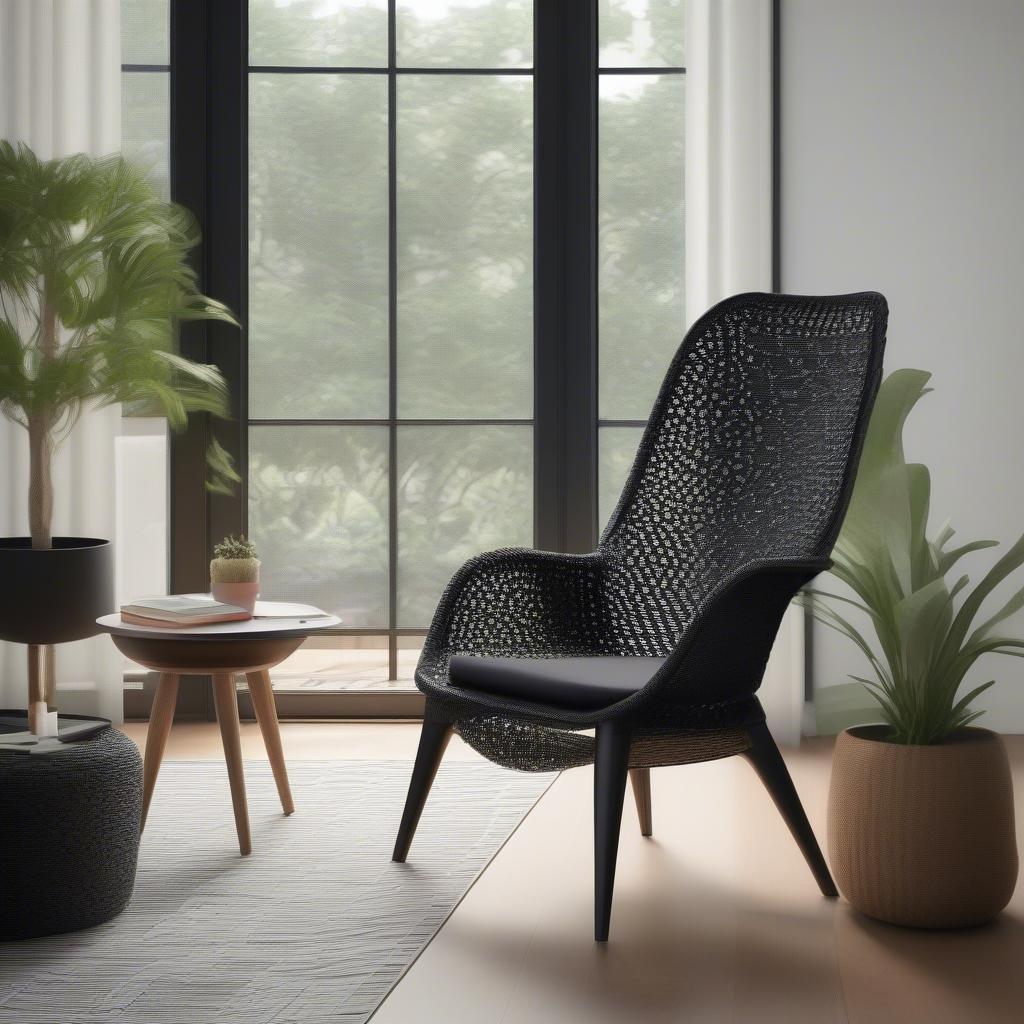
x=252, y=648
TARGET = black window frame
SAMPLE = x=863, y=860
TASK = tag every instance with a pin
x=209, y=174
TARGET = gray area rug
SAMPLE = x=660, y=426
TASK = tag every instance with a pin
x=315, y=926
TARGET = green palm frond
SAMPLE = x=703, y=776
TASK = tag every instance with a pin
x=921, y=644
x=221, y=473
x=95, y=280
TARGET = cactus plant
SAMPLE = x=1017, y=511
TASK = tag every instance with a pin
x=235, y=560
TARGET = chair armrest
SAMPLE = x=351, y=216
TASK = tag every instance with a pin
x=722, y=654
x=518, y=600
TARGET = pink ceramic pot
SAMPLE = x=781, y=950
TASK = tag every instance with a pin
x=242, y=594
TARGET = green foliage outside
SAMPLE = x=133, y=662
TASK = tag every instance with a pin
x=318, y=290
x=922, y=637
x=318, y=295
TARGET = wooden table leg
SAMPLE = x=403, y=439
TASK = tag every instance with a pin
x=160, y=719
x=641, y=779
x=225, y=702
x=266, y=714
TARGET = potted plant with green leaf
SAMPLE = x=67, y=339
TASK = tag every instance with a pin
x=94, y=281
x=235, y=572
x=921, y=821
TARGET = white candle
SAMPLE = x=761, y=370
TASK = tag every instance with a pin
x=37, y=720
x=51, y=723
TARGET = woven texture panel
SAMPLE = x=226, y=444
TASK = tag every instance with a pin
x=734, y=501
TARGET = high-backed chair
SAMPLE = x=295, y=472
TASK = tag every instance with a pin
x=659, y=639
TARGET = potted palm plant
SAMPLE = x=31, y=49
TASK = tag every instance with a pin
x=921, y=827
x=94, y=280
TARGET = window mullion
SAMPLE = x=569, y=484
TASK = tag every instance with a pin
x=228, y=245
x=189, y=504
x=392, y=344
x=566, y=275
x=208, y=176
x=580, y=330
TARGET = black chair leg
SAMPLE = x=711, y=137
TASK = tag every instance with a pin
x=641, y=779
x=768, y=763
x=433, y=740
x=611, y=765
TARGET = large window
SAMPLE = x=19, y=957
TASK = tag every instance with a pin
x=142, y=449
x=640, y=222
x=390, y=364
x=457, y=242
x=145, y=87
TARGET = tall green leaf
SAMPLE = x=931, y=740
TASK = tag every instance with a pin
x=897, y=576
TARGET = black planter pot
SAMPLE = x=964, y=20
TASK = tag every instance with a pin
x=55, y=595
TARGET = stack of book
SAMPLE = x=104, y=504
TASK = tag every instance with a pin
x=181, y=612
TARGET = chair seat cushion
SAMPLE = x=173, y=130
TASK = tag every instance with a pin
x=583, y=684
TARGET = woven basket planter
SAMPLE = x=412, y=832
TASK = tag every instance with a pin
x=923, y=836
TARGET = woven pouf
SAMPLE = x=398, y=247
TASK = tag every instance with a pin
x=70, y=835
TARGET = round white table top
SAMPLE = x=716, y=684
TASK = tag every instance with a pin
x=272, y=620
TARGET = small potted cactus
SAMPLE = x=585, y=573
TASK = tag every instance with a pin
x=235, y=572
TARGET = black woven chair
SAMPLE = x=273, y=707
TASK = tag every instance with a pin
x=659, y=639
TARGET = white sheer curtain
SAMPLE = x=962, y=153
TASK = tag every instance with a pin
x=729, y=224
x=60, y=92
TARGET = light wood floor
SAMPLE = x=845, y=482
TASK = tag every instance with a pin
x=716, y=918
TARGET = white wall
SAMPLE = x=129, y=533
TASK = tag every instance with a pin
x=902, y=154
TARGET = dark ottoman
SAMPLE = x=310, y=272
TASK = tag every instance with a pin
x=70, y=834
